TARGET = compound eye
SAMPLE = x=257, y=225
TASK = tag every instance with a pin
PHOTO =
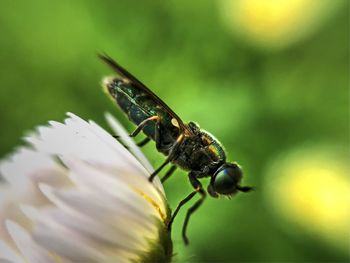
x=225, y=181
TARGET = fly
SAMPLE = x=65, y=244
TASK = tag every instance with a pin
x=185, y=144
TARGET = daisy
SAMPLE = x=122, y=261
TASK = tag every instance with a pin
x=75, y=194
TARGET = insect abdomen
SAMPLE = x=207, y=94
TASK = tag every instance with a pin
x=135, y=103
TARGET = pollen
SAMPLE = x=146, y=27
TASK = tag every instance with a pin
x=153, y=203
x=55, y=257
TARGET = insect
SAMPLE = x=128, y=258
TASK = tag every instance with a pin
x=185, y=144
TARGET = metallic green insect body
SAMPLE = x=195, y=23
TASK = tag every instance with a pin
x=139, y=106
x=185, y=145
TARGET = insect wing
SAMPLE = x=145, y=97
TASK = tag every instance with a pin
x=124, y=73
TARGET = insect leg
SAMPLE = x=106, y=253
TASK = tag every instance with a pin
x=117, y=137
x=169, y=158
x=140, y=144
x=182, y=202
x=198, y=186
x=168, y=173
x=143, y=124
x=143, y=142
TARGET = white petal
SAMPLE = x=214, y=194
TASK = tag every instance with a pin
x=27, y=165
x=110, y=180
x=30, y=212
x=66, y=243
x=26, y=245
x=24, y=164
x=67, y=235
x=112, y=212
x=56, y=124
x=9, y=207
x=106, y=137
x=7, y=253
x=78, y=139
x=104, y=233
x=103, y=210
x=125, y=138
x=53, y=218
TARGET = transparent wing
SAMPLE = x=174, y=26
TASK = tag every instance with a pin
x=132, y=79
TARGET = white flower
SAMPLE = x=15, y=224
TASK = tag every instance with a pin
x=78, y=195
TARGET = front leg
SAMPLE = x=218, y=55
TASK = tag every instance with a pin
x=198, y=189
x=168, y=173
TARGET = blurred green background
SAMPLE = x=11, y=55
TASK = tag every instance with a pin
x=270, y=79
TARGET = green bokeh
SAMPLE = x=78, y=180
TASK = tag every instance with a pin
x=259, y=103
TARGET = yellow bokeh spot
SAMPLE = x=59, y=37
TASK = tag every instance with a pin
x=311, y=189
x=318, y=196
x=276, y=23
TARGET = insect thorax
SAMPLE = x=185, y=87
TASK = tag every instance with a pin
x=201, y=152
